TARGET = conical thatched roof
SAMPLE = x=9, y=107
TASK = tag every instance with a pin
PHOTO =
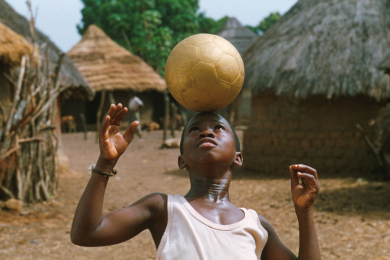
x=237, y=34
x=107, y=65
x=385, y=65
x=323, y=47
x=13, y=47
x=70, y=77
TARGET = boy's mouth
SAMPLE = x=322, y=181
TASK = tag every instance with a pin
x=206, y=142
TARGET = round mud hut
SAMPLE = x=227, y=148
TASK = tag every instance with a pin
x=314, y=77
x=108, y=66
x=241, y=38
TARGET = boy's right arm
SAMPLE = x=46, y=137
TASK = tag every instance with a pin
x=89, y=228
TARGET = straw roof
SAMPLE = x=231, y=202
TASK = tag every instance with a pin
x=385, y=65
x=237, y=34
x=13, y=47
x=107, y=65
x=324, y=47
x=69, y=77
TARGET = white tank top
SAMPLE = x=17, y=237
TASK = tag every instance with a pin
x=190, y=236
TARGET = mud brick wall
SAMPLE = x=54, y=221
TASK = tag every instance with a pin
x=318, y=132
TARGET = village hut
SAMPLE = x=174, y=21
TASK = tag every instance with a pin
x=73, y=82
x=12, y=48
x=315, y=77
x=31, y=85
x=241, y=38
x=110, y=67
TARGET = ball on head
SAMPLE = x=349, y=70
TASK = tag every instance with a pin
x=204, y=72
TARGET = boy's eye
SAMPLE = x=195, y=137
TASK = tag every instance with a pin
x=194, y=128
x=220, y=127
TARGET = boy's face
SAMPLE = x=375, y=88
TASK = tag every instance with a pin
x=208, y=138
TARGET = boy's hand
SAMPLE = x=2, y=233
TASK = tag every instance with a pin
x=304, y=194
x=112, y=143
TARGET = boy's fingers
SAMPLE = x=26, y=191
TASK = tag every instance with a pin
x=294, y=176
x=128, y=135
x=307, y=169
x=116, y=112
x=109, y=113
x=120, y=116
x=311, y=181
x=105, y=125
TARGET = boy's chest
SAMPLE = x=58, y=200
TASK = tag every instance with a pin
x=219, y=213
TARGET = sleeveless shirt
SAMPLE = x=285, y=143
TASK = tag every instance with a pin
x=190, y=236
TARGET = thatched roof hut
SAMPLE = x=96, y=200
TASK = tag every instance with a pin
x=241, y=37
x=327, y=47
x=237, y=34
x=13, y=47
x=70, y=76
x=105, y=64
x=315, y=76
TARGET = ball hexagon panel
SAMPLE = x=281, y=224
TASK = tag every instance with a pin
x=240, y=64
x=203, y=75
x=236, y=88
x=218, y=105
x=210, y=52
x=197, y=100
x=200, y=39
x=177, y=47
x=227, y=68
x=181, y=82
x=169, y=69
x=220, y=92
x=186, y=57
x=178, y=97
x=225, y=46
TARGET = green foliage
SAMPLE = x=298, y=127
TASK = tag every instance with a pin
x=266, y=23
x=147, y=28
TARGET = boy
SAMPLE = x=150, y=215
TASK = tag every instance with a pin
x=203, y=224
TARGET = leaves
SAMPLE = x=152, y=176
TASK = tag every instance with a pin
x=266, y=23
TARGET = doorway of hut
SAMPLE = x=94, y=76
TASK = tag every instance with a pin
x=153, y=109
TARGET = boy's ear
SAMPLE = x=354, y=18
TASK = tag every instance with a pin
x=182, y=163
x=238, y=160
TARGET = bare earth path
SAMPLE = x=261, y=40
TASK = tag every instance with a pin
x=352, y=216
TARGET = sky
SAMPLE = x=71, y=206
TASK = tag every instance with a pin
x=58, y=18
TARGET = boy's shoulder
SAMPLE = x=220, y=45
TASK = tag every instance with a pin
x=156, y=200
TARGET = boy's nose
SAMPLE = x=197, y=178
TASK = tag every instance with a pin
x=207, y=133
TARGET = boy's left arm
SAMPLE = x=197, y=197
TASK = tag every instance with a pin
x=303, y=195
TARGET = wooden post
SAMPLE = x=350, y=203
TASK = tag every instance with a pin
x=173, y=119
x=84, y=124
x=166, y=115
x=111, y=97
x=99, y=114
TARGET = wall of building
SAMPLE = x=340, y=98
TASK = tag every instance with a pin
x=318, y=132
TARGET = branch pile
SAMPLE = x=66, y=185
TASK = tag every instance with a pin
x=28, y=141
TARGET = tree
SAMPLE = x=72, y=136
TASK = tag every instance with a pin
x=147, y=28
x=266, y=23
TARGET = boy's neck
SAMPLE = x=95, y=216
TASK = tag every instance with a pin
x=214, y=190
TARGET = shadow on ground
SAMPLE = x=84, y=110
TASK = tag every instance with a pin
x=369, y=199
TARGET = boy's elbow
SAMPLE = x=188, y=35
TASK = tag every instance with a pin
x=77, y=240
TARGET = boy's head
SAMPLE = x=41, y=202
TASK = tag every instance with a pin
x=222, y=119
x=209, y=145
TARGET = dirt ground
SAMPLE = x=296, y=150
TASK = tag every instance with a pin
x=352, y=215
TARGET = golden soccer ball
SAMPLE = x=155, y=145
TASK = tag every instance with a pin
x=204, y=72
